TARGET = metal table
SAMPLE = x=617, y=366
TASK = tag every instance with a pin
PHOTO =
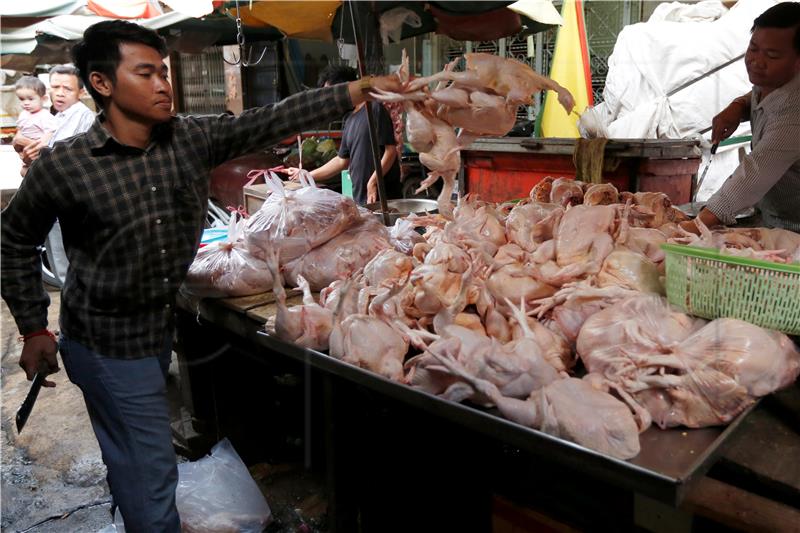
x=756, y=482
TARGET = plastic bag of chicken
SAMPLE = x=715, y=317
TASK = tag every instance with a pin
x=227, y=268
x=298, y=221
x=341, y=256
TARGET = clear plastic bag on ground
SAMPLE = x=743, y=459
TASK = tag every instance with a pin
x=217, y=493
x=227, y=268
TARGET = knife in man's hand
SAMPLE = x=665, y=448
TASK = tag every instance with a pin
x=25, y=409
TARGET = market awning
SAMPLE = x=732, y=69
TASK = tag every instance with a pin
x=44, y=32
x=476, y=20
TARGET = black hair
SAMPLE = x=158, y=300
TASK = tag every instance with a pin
x=783, y=15
x=31, y=82
x=69, y=70
x=334, y=74
x=99, y=49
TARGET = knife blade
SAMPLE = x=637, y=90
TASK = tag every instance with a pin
x=705, y=171
x=25, y=409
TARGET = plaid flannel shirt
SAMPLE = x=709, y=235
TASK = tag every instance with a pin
x=131, y=220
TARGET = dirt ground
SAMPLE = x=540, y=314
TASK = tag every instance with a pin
x=53, y=478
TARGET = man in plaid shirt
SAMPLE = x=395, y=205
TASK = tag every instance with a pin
x=131, y=196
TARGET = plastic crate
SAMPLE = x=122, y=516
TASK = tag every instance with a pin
x=708, y=284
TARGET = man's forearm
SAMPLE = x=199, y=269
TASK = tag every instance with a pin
x=743, y=102
x=329, y=169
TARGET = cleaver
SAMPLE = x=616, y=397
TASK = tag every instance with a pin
x=25, y=409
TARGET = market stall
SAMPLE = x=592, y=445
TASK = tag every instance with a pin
x=568, y=319
x=754, y=482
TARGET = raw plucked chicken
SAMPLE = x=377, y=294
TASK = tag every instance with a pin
x=569, y=408
x=482, y=100
x=308, y=325
x=584, y=259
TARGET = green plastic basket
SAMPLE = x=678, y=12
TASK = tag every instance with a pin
x=706, y=283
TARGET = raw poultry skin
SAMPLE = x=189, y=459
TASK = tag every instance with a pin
x=308, y=325
x=369, y=340
x=569, y=408
x=479, y=101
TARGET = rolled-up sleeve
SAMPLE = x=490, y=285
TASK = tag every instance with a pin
x=777, y=150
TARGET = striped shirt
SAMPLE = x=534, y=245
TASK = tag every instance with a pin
x=769, y=176
x=132, y=219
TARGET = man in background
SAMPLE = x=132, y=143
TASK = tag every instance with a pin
x=72, y=117
x=355, y=151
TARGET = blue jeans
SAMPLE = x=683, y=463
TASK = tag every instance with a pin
x=127, y=405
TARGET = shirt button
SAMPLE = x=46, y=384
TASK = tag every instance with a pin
x=158, y=221
x=154, y=189
x=166, y=280
x=163, y=252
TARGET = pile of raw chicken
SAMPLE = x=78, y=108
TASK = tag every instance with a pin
x=550, y=309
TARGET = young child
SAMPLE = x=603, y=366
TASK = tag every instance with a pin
x=34, y=122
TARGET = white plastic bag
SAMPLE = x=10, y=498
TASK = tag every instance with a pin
x=403, y=235
x=298, y=221
x=227, y=268
x=217, y=493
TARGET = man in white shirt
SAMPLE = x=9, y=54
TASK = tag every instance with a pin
x=73, y=117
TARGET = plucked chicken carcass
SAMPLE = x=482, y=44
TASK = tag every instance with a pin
x=569, y=308
x=653, y=209
x=682, y=371
x=531, y=224
x=601, y=194
x=438, y=281
x=308, y=325
x=298, y=221
x=569, y=408
x=566, y=192
x=480, y=101
x=370, y=341
x=511, y=79
x=719, y=371
x=581, y=243
x=388, y=266
x=630, y=270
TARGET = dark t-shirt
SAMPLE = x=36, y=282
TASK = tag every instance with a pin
x=356, y=147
